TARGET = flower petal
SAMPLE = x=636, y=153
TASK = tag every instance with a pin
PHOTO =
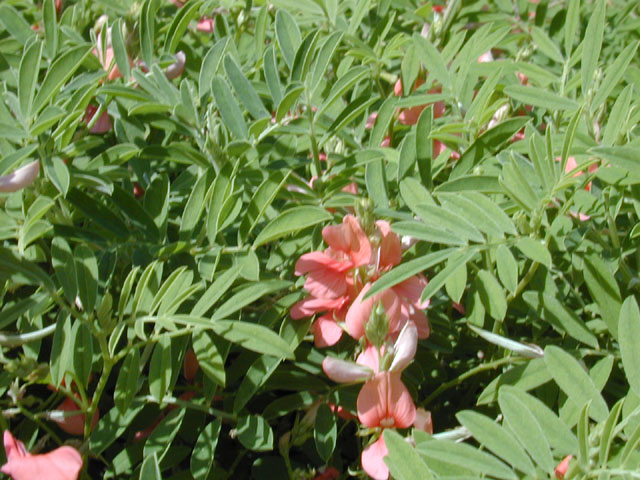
x=372, y=460
x=20, y=178
x=341, y=371
x=385, y=401
x=326, y=332
x=405, y=347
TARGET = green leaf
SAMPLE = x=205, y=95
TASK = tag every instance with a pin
x=480, y=211
x=629, y=337
x=559, y=435
x=61, y=70
x=592, y=44
x=87, y=274
x=160, y=369
x=583, y=437
x=303, y=57
x=21, y=271
x=180, y=24
x=111, y=426
x=342, y=86
x=352, y=111
x=424, y=146
x=150, y=469
x=210, y=65
x=438, y=281
x=127, y=382
x=449, y=221
x=209, y=358
x=160, y=439
x=65, y=268
x=256, y=376
x=557, y=314
x=82, y=352
x=195, y=206
x=526, y=377
x=61, y=361
x=15, y=24
x=535, y=250
x=574, y=381
x=492, y=295
x=524, y=425
x=539, y=97
x=604, y=290
x=376, y=182
x=287, y=35
x=148, y=14
x=487, y=143
x=243, y=88
x=256, y=338
x=607, y=437
x=323, y=59
x=457, y=282
x=28, y=76
x=465, y=456
x=507, y=268
x=156, y=201
x=325, y=432
x=120, y=49
x=290, y=221
x=270, y=68
x=617, y=117
x=49, y=19
x=613, y=74
x=381, y=125
x=408, y=269
x=571, y=25
x=255, y=433
x=403, y=460
x=204, y=450
x=546, y=45
x=229, y=109
x=289, y=100
x=497, y=439
x=433, y=61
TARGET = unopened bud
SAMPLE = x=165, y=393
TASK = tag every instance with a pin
x=377, y=328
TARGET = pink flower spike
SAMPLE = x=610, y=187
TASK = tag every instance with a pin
x=405, y=347
x=63, y=463
x=341, y=371
x=350, y=239
x=384, y=401
x=176, y=68
x=372, y=460
x=20, y=178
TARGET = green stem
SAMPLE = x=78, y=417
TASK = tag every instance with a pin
x=9, y=340
x=469, y=373
x=107, y=363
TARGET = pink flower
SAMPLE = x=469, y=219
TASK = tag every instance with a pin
x=63, y=463
x=485, y=57
x=206, y=25
x=423, y=421
x=384, y=401
x=572, y=165
x=563, y=466
x=20, y=178
x=372, y=460
x=401, y=303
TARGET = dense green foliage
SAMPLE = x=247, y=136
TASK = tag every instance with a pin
x=177, y=227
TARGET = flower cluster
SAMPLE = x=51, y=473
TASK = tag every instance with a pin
x=387, y=324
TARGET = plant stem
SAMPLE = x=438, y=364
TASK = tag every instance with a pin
x=469, y=373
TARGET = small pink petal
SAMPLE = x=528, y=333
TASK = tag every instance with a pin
x=384, y=401
x=206, y=25
x=561, y=470
x=341, y=371
x=20, y=178
x=370, y=357
x=423, y=421
x=405, y=347
x=326, y=332
x=372, y=460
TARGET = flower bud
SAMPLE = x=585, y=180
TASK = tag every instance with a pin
x=20, y=178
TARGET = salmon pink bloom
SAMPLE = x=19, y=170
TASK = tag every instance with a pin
x=561, y=470
x=20, y=178
x=423, y=421
x=384, y=401
x=206, y=25
x=372, y=460
x=63, y=463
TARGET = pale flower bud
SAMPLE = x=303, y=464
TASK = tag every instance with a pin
x=341, y=371
x=405, y=347
x=176, y=68
x=20, y=178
